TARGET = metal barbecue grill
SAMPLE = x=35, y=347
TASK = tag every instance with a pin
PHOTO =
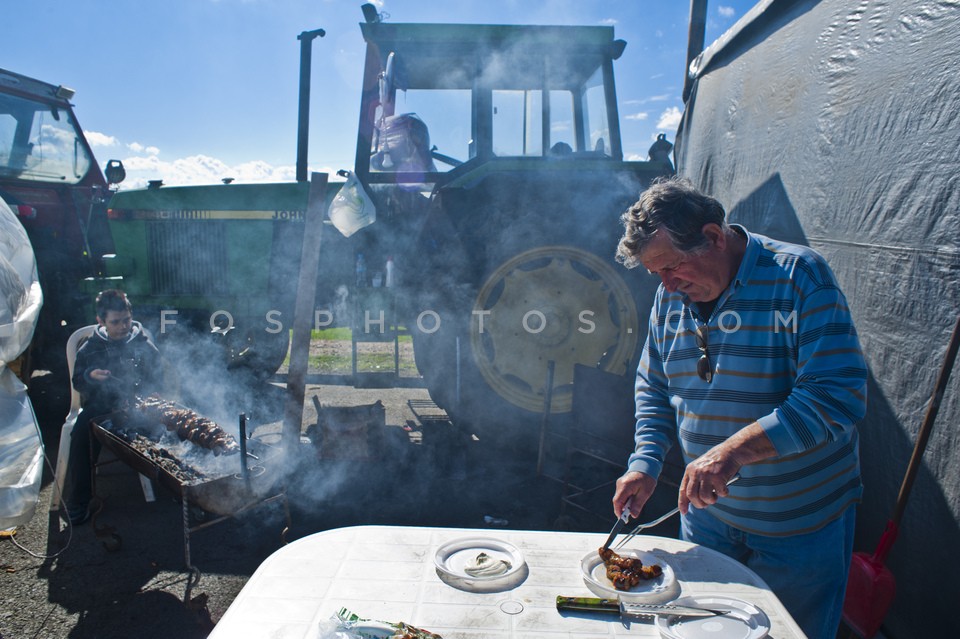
x=232, y=485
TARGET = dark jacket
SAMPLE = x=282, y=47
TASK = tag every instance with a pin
x=134, y=365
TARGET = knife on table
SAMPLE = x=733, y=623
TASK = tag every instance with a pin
x=632, y=610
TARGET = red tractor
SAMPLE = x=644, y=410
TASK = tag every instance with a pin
x=49, y=177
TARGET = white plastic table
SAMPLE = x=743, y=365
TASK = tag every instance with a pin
x=388, y=573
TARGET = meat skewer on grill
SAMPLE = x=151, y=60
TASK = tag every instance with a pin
x=188, y=425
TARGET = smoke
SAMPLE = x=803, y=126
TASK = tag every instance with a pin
x=202, y=374
x=340, y=307
x=450, y=252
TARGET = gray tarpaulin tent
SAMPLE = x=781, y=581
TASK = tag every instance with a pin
x=836, y=124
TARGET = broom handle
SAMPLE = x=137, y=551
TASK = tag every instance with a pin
x=927, y=425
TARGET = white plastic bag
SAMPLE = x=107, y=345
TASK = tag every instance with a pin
x=340, y=628
x=352, y=208
x=348, y=625
x=21, y=453
x=21, y=446
x=334, y=628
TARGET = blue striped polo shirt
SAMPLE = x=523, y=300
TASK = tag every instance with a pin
x=785, y=354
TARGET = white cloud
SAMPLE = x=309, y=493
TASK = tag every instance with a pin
x=200, y=169
x=97, y=139
x=136, y=147
x=647, y=100
x=669, y=119
x=144, y=163
x=725, y=11
x=643, y=115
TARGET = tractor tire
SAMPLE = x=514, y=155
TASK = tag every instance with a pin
x=509, y=293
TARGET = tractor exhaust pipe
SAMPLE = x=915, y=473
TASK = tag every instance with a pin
x=303, y=121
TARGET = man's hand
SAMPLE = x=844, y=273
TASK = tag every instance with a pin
x=705, y=478
x=634, y=485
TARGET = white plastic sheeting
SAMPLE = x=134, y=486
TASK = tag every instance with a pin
x=836, y=124
x=21, y=446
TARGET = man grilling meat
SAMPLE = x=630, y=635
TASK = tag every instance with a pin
x=117, y=362
x=752, y=362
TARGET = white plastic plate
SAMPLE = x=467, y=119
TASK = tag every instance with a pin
x=660, y=590
x=452, y=558
x=743, y=621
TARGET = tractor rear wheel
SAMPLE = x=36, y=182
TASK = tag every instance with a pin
x=486, y=355
x=521, y=274
x=556, y=305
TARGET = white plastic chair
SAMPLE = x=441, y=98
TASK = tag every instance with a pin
x=66, y=431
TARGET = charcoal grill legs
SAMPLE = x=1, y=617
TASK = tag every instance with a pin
x=187, y=529
x=194, y=577
x=105, y=533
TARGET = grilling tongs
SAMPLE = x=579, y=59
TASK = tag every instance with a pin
x=618, y=527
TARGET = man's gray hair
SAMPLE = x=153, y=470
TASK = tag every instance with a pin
x=671, y=205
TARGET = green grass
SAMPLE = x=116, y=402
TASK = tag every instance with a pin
x=341, y=333
x=340, y=361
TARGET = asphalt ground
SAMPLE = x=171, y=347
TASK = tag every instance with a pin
x=132, y=579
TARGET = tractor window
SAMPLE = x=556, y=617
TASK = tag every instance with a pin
x=595, y=105
x=562, y=132
x=516, y=123
x=40, y=143
x=444, y=114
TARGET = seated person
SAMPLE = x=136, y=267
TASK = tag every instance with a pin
x=117, y=363
x=404, y=146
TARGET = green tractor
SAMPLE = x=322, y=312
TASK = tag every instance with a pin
x=493, y=158
x=215, y=260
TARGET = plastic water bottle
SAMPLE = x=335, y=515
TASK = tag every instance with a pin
x=388, y=280
x=361, y=271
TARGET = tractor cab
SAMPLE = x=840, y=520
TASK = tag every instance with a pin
x=441, y=100
x=493, y=153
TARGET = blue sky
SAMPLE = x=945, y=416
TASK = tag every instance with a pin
x=190, y=91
